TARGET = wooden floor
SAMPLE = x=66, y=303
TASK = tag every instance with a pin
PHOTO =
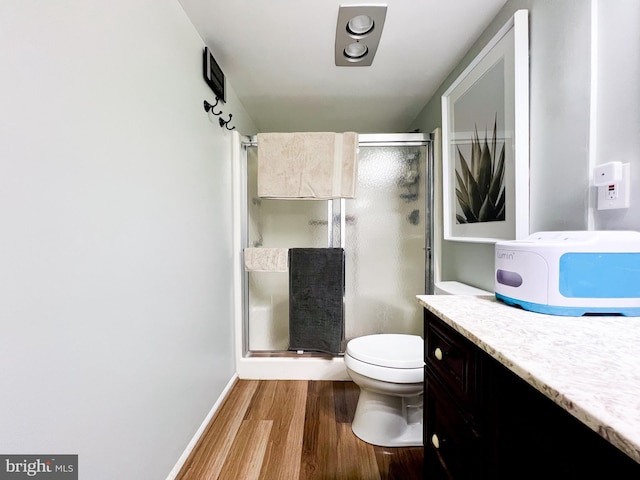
x=290, y=430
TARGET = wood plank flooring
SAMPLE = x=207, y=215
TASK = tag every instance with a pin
x=293, y=430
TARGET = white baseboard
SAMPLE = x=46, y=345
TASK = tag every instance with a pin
x=291, y=368
x=192, y=444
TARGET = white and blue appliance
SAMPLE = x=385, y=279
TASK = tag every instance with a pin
x=571, y=273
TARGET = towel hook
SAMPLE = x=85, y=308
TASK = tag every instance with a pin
x=225, y=123
x=208, y=106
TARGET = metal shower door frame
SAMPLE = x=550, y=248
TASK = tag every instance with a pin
x=336, y=217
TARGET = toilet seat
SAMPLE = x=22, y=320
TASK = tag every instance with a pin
x=388, y=350
x=394, y=358
x=384, y=374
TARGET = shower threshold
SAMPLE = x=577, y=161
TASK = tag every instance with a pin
x=291, y=354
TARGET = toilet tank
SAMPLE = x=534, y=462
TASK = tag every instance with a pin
x=457, y=288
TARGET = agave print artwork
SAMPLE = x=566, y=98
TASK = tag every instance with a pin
x=485, y=141
x=480, y=186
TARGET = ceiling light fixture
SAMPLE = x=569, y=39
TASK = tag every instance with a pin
x=358, y=34
x=355, y=50
x=360, y=25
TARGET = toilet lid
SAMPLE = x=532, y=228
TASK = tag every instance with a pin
x=388, y=350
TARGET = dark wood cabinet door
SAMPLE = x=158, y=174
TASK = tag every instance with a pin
x=452, y=444
x=532, y=437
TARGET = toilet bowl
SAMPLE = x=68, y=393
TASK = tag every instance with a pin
x=389, y=369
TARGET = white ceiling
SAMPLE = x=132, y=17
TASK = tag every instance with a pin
x=278, y=55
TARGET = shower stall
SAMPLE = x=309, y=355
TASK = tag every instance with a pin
x=385, y=231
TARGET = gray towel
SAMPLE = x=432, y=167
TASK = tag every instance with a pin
x=316, y=294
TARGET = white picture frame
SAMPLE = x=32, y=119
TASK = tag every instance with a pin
x=485, y=116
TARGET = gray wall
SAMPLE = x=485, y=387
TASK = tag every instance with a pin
x=560, y=35
x=617, y=122
x=115, y=253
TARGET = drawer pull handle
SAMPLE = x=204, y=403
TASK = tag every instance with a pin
x=435, y=441
x=438, y=353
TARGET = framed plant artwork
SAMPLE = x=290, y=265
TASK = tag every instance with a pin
x=485, y=141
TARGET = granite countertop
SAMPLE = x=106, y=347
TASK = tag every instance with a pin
x=590, y=366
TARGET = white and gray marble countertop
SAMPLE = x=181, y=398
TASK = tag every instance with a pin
x=590, y=366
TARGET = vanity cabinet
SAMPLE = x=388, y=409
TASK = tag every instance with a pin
x=482, y=421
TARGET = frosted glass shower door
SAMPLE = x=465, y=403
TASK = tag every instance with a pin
x=384, y=232
x=385, y=239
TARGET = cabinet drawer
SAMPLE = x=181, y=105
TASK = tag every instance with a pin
x=453, y=360
x=452, y=445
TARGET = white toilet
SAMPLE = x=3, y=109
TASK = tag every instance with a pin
x=389, y=369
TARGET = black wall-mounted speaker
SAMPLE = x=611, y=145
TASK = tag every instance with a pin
x=213, y=74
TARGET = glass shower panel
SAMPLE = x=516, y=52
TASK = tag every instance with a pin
x=276, y=223
x=385, y=242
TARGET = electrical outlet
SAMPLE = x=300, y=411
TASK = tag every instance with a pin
x=613, y=194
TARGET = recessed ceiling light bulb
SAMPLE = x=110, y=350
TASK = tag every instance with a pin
x=360, y=25
x=355, y=50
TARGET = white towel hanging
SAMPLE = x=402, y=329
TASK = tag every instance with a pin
x=264, y=259
x=308, y=165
